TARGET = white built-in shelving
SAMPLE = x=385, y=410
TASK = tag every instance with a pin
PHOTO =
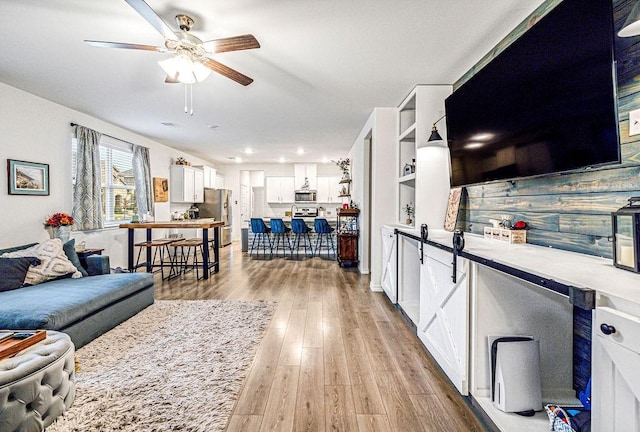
x=416, y=114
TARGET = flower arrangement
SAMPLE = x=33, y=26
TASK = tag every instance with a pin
x=59, y=219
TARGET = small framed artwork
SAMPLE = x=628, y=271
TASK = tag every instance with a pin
x=160, y=189
x=452, y=209
x=27, y=178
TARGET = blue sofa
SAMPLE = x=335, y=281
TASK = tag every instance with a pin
x=83, y=308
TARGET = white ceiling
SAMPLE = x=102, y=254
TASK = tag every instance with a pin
x=323, y=66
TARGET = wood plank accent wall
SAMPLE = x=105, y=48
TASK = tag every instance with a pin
x=568, y=211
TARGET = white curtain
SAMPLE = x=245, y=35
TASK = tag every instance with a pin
x=142, y=179
x=87, y=205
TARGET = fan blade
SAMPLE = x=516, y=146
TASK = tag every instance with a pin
x=227, y=71
x=235, y=43
x=152, y=18
x=103, y=44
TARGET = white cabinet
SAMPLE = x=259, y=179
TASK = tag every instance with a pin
x=616, y=383
x=444, y=314
x=409, y=277
x=187, y=184
x=219, y=182
x=209, y=176
x=280, y=190
x=389, y=263
x=305, y=171
x=329, y=190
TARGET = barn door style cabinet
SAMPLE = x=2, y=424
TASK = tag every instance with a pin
x=550, y=295
x=348, y=236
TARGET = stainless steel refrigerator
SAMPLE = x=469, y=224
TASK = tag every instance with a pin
x=217, y=204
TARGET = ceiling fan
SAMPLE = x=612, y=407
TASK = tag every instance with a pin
x=192, y=61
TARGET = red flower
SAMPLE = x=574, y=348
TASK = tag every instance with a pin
x=59, y=219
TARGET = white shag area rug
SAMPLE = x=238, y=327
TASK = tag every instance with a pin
x=176, y=366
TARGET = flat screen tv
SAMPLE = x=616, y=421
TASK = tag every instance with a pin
x=546, y=104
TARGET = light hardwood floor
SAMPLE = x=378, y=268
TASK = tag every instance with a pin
x=336, y=356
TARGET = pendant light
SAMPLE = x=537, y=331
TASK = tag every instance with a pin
x=631, y=26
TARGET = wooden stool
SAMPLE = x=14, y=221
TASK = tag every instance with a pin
x=161, y=246
x=179, y=264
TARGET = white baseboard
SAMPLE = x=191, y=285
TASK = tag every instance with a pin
x=375, y=288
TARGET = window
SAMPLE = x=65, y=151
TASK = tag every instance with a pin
x=118, y=188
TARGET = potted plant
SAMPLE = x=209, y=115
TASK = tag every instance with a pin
x=409, y=209
x=343, y=164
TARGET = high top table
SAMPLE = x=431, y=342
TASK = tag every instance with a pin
x=204, y=224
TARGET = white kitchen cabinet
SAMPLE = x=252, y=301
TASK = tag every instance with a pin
x=187, y=184
x=280, y=190
x=329, y=190
x=444, y=313
x=209, y=176
x=389, y=263
x=305, y=171
x=219, y=184
x=616, y=383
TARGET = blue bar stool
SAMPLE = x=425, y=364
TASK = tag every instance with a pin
x=324, y=230
x=280, y=232
x=261, y=233
x=300, y=229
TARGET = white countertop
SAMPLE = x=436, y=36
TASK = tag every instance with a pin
x=569, y=268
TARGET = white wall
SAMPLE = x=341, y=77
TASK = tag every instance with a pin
x=37, y=130
x=378, y=136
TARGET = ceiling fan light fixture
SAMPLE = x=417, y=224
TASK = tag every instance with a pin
x=184, y=69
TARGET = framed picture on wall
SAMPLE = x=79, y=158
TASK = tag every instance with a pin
x=27, y=178
x=160, y=189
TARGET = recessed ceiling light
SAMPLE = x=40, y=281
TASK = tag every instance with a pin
x=300, y=151
x=281, y=159
x=212, y=126
x=473, y=145
x=248, y=151
x=169, y=124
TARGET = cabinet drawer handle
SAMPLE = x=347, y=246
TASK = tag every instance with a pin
x=607, y=329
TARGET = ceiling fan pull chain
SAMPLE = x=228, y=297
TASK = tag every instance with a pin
x=185, y=99
x=191, y=89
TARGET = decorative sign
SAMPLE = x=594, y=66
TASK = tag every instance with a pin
x=452, y=209
x=160, y=189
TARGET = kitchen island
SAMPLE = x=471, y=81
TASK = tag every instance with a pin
x=204, y=224
x=309, y=220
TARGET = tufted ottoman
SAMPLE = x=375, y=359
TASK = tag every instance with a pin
x=37, y=384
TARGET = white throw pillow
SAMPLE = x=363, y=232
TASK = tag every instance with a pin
x=54, y=262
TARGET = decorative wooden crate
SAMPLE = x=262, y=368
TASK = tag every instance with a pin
x=505, y=235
